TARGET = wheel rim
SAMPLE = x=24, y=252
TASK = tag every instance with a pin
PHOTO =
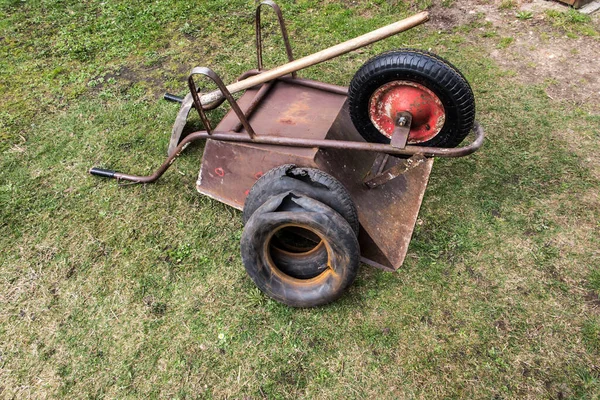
x=428, y=114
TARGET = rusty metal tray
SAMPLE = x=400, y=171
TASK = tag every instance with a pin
x=387, y=213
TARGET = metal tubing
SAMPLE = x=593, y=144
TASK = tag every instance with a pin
x=316, y=85
x=222, y=89
x=295, y=142
x=348, y=145
x=196, y=99
x=328, y=87
x=248, y=74
x=284, y=34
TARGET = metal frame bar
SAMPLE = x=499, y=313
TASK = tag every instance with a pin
x=395, y=149
x=284, y=34
x=296, y=142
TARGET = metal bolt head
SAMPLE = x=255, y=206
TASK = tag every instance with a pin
x=402, y=121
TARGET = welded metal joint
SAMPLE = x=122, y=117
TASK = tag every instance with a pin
x=395, y=171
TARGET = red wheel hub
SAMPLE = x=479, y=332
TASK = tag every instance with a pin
x=428, y=115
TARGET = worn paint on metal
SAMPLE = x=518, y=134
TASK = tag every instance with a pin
x=258, y=32
x=428, y=114
x=297, y=111
x=394, y=172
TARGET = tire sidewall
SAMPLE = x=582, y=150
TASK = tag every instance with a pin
x=361, y=90
x=340, y=241
x=276, y=182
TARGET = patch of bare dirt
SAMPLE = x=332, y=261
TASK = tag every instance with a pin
x=153, y=75
x=539, y=53
x=447, y=18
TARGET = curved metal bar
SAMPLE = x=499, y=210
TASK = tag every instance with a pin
x=295, y=142
x=360, y=146
x=179, y=123
x=248, y=74
x=234, y=106
x=196, y=98
x=160, y=171
x=186, y=106
x=328, y=87
x=284, y=34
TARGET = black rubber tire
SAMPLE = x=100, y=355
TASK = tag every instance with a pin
x=335, y=232
x=312, y=183
x=302, y=265
x=422, y=67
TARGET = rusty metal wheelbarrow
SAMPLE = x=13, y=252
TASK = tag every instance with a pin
x=283, y=119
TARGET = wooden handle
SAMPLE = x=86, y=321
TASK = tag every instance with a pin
x=319, y=57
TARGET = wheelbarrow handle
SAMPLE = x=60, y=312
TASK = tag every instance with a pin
x=105, y=173
x=173, y=98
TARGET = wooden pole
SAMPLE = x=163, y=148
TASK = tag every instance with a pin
x=319, y=57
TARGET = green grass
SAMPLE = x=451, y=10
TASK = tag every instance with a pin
x=524, y=15
x=139, y=291
x=505, y=42
x=572, y=22
x=507, y=4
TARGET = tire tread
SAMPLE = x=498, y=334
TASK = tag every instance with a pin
x=427, y=65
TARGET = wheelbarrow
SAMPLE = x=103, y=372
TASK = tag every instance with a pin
x=327, y=176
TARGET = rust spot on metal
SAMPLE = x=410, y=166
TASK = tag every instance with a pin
x=297, y=112
x=387, y=214
x=287, y=121
x=395, y=171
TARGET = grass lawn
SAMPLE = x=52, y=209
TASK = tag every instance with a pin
x=139, y=291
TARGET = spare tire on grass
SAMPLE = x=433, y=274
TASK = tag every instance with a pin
x=336, y=234
x=297, y=252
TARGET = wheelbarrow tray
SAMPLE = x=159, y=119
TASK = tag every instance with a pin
x=387, y=213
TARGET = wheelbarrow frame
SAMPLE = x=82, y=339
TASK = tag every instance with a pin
x=410, y=156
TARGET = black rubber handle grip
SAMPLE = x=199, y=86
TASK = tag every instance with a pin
x=173, y=98
x=105, y=173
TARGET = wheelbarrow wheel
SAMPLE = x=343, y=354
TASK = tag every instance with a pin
x=298, y=252
x=436, y=94
x=337, y=236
